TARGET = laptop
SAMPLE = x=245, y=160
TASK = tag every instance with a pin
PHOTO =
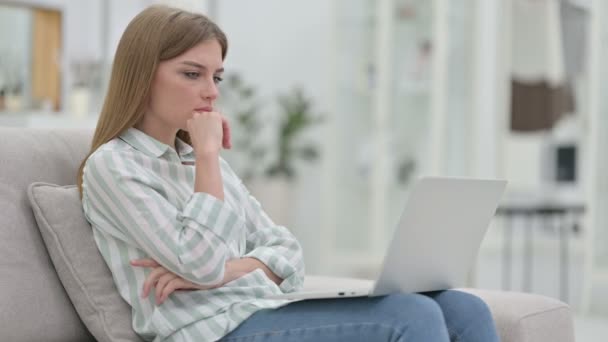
x=434, y=245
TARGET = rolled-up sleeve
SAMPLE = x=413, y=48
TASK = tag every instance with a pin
x=192, y=242
x=273, y=245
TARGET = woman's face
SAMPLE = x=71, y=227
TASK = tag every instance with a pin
x=185, y=84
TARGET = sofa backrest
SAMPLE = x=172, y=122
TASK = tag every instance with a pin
x=33, y=304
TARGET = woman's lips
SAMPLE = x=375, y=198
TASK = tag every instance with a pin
x=204, y=109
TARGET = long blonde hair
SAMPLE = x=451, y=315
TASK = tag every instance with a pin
x=156, y=34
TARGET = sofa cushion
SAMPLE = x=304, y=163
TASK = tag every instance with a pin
x=34, y=304
x=80, y=266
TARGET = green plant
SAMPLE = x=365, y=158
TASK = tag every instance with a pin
x=295, y=117
x=255, y=153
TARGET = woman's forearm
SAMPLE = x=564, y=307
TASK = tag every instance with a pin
x=208, y=178
x=251, y=264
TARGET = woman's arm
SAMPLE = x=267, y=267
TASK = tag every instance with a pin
x=209, y=132
x=165, y=282
x=269, y=248
x=272, y=245
x=207, y=175
x=190, y=242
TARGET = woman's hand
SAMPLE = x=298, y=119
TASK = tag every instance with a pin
x=164, y=281
x=209, y=132
x=167, y=282
x=252, y=264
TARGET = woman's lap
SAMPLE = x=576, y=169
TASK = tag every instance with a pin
x=399, y=317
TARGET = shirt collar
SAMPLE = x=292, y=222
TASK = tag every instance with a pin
x=150, y=146
x=185, y=151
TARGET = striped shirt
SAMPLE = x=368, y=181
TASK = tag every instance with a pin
x=138, y=195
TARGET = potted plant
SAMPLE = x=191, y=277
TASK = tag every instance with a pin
x=266, y=150
x=288, y=147
x=295, y=118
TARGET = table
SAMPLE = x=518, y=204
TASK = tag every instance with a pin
x=565, y=215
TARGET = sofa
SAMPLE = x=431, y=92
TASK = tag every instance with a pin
x=37, y=296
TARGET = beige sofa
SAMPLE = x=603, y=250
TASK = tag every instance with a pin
x=35, y=305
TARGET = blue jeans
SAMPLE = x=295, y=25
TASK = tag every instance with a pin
x=428, y=317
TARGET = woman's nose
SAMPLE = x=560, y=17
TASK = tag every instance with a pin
x=210, y=91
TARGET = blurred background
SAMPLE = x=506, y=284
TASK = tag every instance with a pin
x=338, y=106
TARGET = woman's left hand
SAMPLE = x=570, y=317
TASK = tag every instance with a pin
x=167, y=282
x=164, y=281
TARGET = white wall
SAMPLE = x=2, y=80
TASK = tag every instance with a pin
x=82, y=29
x=120, y=14
x=276, y=44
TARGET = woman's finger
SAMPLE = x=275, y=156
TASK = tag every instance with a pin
x=226, y=142
x=152, y=279
x=173, y=285
x=161, y=284
x=145, y=262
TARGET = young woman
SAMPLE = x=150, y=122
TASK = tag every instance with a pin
x=189, y=249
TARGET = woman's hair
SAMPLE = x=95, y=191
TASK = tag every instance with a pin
x=156, y=34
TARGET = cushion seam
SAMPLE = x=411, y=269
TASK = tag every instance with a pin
x=542, y=312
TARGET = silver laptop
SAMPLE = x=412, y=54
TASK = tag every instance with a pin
x=434, y=245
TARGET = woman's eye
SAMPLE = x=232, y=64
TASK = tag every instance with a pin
x=192, y=75
x=217, y=79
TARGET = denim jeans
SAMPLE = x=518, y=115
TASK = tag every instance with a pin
x=428, y=317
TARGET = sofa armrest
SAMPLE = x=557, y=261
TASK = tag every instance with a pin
x=522, y=317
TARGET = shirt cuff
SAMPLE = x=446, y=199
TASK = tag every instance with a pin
x=293, y=279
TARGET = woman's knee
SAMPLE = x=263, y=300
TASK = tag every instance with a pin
x=468, y=317
x=453, y=302
x=411, y=309
x=405, y=304
x=416, y=317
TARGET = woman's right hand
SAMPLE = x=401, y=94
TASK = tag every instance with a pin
x=209, y=132
x=166, y=282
